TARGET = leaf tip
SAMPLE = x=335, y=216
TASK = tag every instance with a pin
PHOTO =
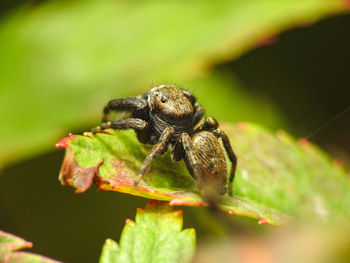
x=267, y=40
x=64, y=141
x=178, y=213
x=191, y=230
x=303, y=142
x=15, y=246
x=28, y=244
x=129, y=221
x=264, y=221
x=181, y=202
x=232, y=212
x=338, y=162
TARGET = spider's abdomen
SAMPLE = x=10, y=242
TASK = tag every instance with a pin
x=212, y=161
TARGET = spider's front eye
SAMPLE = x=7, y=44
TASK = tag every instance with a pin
x=164, y=99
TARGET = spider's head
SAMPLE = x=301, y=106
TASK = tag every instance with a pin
x=170, y=104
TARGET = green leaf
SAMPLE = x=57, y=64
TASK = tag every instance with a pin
x=9, y=246
x=277, y=177
x=62, y=60
x=110, y=252
x=155, y=236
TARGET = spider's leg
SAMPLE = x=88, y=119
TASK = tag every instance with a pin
x=177, y=151
x=157, y=150
x=198, y=113
x=141, y=128
x=198, y=109
x=208, y=125
x=231, y=155
x=131, y=123
x=191, y=158
x=132, y=104
x=189, y=95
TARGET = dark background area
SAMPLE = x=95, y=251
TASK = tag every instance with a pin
x=306, y=75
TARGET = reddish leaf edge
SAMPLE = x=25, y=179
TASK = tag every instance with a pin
x=10, y=252
x=82, y=178
x=17, y=244
x=154, y=205
x=64, y=141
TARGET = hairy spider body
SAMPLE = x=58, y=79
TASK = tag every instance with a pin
x=169, y=107
x=167, y=115
x=205, y=159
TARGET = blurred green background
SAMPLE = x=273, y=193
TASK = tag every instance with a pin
x=281, y=64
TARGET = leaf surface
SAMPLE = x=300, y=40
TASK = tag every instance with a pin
x=277, y=176
x=9, y=250
x=62, y=60
x=156, y=235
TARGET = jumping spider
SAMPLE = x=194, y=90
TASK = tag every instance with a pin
x=167, y=115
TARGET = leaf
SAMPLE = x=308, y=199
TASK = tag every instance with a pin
x=277, y=177
x=155, y=236
x=62, y=60
x=110, y=252
x=9, y=246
